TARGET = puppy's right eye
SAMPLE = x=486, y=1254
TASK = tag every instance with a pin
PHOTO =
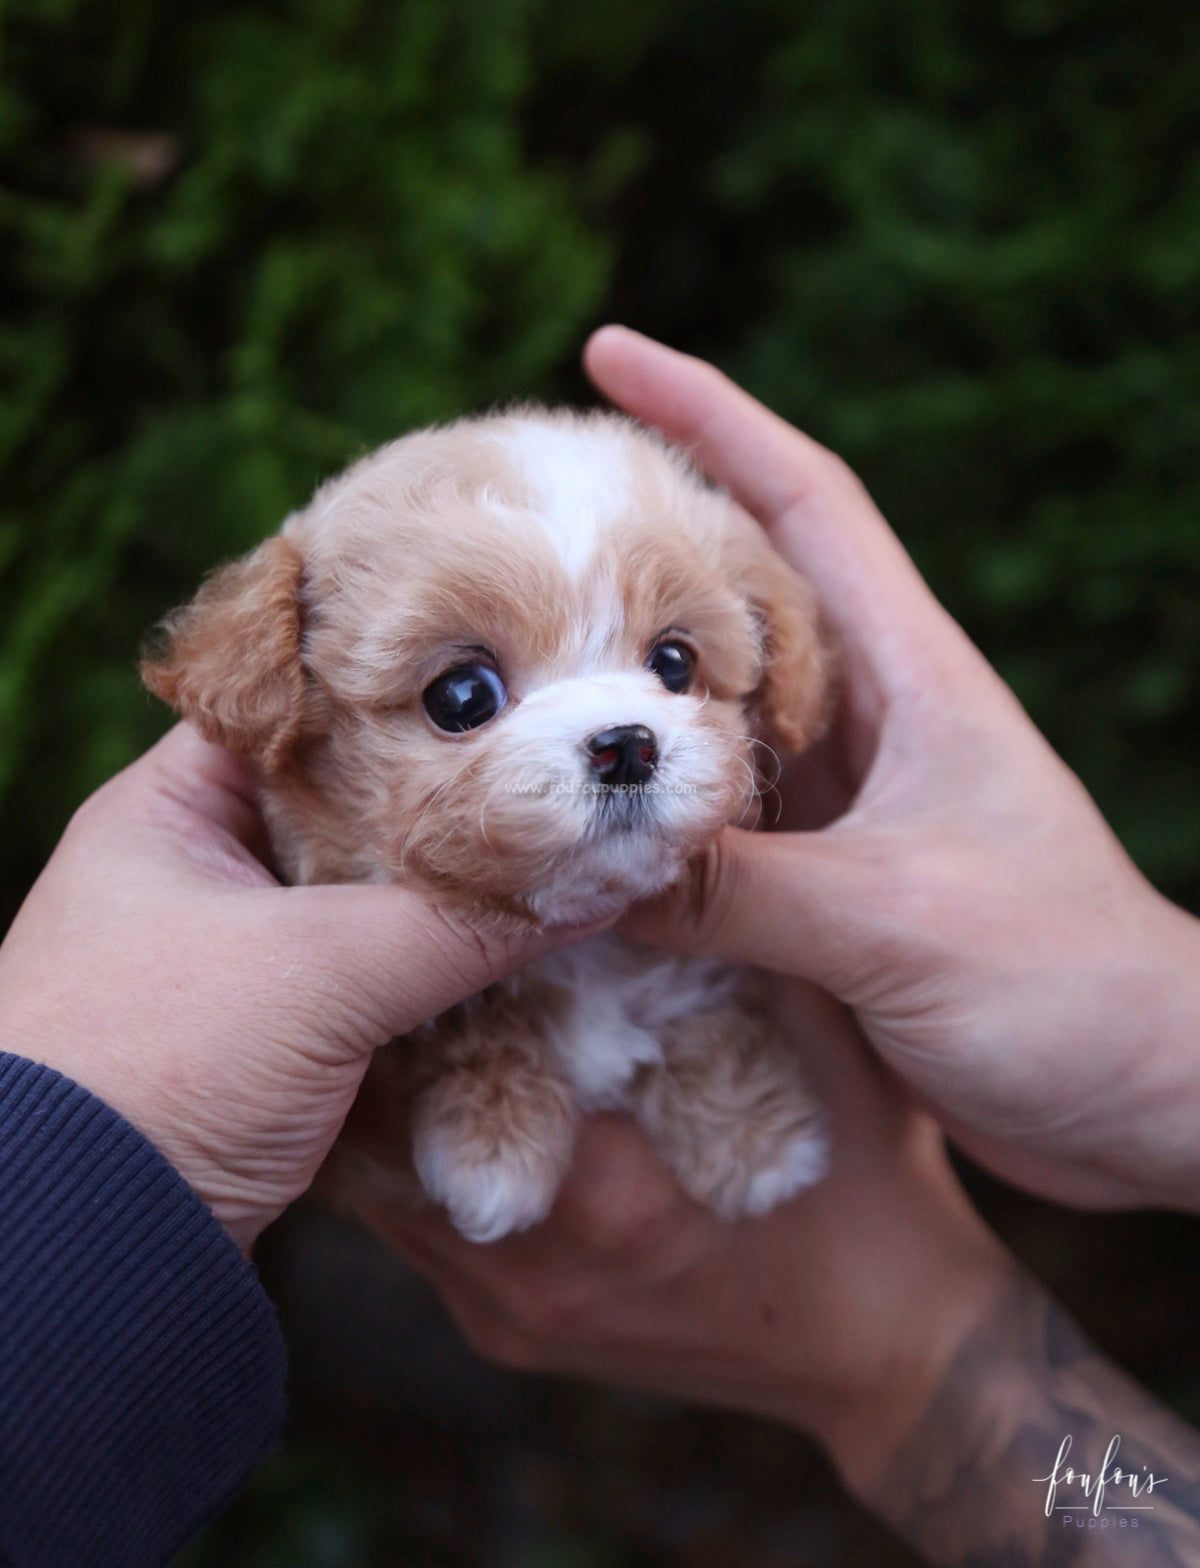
x=464, y=697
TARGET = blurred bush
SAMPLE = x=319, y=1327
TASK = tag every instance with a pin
x=241, y=242
x=959, y=244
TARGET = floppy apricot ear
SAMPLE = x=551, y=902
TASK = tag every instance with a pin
x=794, y=693
x=230, y=660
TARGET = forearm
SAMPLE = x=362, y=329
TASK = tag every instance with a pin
x=1034, y=1449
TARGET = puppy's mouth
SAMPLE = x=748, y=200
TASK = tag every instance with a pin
x=623, y=808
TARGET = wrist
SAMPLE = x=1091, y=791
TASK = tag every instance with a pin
x=974, y=1477
x=864, y=1434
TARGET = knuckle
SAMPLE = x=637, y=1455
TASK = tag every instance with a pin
x=705, y=372
x=487, y=947
x=937, y=665
x=631, y=1237
x=622, y=1224
x=604, y=1231
x=837, y=472
x=832, y=474
x=711, y=893
x=460, y=938
x=820, y=473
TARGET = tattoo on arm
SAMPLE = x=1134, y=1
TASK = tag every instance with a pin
x=985, y=1478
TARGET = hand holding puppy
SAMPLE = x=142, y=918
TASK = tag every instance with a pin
x=999, y=949
x=876, y=1313
x=839, y=1313
x=157, y=963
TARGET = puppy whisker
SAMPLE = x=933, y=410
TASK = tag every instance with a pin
x=758, y=745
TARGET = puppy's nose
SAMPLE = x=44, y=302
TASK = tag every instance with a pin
x=625, y=755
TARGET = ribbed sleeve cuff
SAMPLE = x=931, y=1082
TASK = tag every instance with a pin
x=141, y=1365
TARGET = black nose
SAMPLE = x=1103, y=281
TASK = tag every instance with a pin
x=626, y=755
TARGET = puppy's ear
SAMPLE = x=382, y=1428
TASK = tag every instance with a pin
x=230, y=660
x=794, y=693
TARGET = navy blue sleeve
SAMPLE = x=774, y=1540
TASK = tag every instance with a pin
x=141, y=1365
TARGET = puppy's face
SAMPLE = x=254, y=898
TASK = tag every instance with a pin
x=523, y=658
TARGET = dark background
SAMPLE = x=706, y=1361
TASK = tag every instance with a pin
x=240, y=243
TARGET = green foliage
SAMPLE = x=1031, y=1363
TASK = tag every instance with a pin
x=996, y=321
x=957, y=242
x=244, y=244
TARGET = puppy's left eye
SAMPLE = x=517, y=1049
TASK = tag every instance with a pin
x=674, y=663
x=464, y=697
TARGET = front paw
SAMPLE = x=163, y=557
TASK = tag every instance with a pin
x=739, y=1175
x=797, y=1163
x=731, y=1114
x=493, y=1171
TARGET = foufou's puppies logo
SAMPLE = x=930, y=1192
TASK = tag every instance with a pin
x=1108, y=1498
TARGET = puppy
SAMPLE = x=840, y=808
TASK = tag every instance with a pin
x=526, y=660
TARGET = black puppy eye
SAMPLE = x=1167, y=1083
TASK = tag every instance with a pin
x=674, y=663
x=464, y=697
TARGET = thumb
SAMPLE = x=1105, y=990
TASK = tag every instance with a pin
x=372, y=962
x=795, y=903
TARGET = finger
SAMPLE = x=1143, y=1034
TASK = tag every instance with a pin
x=800, y=904
x=618, y=1208
x=818, y=515
x=619, y=1203
x=380, y=960
x=184, y=777
x=766, y=463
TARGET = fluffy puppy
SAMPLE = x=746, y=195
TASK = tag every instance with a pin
x=526, y=659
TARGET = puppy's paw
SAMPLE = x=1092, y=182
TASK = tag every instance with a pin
x=751, y=1170
x=798, y=1164
x=493, y=1161
x=730, y=1112
x=490, y=1196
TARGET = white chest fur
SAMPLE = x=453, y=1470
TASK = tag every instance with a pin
x=722, y=1102
x=622, y=997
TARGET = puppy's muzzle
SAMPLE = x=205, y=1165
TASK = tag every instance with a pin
x=623, y=757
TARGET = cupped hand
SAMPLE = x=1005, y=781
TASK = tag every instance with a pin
x=158, y=963
x=967, y=901
x=837, y=1313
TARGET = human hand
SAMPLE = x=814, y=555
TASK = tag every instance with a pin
x=874, y=1312
x=836, y=1313
x=998, y=947
x=158, y=963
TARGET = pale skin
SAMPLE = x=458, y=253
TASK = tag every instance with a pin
x=991, y=951
x=158, y=963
